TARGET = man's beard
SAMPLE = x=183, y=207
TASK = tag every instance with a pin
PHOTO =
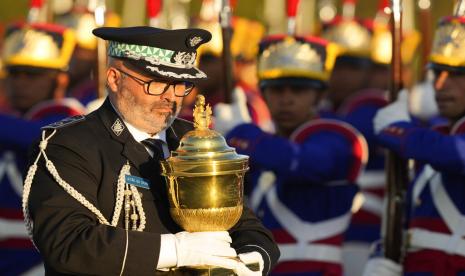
x=157, y=125
x=142, y=118
x=168, y=120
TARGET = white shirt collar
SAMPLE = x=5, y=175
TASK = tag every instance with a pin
x=139, y=135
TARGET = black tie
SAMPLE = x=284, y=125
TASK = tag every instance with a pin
x=156, y=145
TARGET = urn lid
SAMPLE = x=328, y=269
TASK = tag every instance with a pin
x=204, y=144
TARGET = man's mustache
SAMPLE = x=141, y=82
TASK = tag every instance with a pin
x=166, y=105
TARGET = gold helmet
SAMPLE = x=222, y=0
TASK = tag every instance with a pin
x=448, y=52
x=354, y=36
x=381, y=45
x=307, y=60
x=244, y=42
x=38, y=45
x=83, y=22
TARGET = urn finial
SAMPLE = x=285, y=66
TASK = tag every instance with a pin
x=202, y=113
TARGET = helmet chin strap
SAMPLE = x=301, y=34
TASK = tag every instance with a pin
x=441, y=79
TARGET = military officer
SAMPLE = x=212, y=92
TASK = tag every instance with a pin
x=435, y=244
x=74, y=202
x=303, y=175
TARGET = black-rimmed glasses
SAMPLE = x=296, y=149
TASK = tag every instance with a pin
x=157, y=87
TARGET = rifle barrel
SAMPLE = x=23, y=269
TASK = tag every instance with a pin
x=226, y=32
x=397, y=173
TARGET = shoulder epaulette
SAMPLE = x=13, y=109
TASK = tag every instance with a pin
x=65, y=122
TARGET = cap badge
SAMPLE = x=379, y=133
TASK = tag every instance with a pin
x=117, y=127
x=185, y=59
x=194, y=41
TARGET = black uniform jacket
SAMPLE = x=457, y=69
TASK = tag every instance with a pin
x=89, y=155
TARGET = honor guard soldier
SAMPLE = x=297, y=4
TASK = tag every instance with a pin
x=303, y=176
x=358, y=89
x=85, y=214
x=434, y=245
x=36, y=59
x=349, y=100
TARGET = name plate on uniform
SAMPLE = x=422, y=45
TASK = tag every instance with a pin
x=138, y=181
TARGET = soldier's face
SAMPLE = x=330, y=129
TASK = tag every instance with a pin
x=291, y=106
x=345, y=80
x=450, y=94
x=28, y=88
x=146, y=112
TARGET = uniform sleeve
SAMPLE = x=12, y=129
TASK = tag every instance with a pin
x=250, y=235
x=443, y=152
x=318, y=160
x=17, y=131
x=68, y=235
x=362, y=119
x=22, y=132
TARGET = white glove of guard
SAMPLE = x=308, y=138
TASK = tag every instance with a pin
x=422, y=102
x=205, y=248
x=394, y=112
x=381, y=266
x=249, y=258
x=228, y=116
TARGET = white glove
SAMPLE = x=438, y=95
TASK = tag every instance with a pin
x=249, y=258
x=205, y=248
x=228, y=116
x=381, y=266
x=422, y=102
x=394, y=112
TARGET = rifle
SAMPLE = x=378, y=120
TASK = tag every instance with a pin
x=426, y=32
x=460, y=8
x=226, y=32
x=99, y=14
x=397, y=172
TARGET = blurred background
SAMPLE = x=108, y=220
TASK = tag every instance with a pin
x=270, y=12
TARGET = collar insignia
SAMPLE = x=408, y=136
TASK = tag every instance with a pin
x=117, y=127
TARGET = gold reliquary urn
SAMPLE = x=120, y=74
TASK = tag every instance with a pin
x=205, y=180
x=205, y=177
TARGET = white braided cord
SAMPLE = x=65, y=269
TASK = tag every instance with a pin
x=73, y=192
x=26, y=191
x=140, y=209
x=127, y=206
x=28, y=184
x=123, y=192
x=120, y=193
